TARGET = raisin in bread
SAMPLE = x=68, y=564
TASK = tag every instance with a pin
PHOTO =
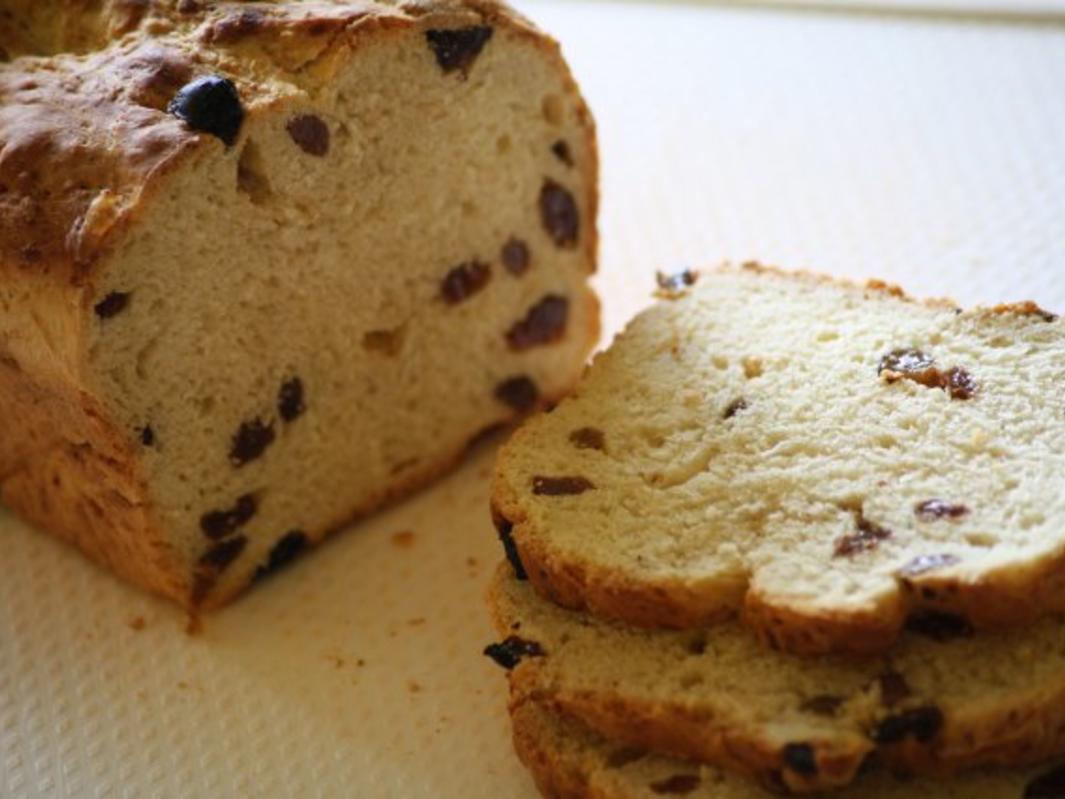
x=935, y=706
x=568, y=761
x=832, y=460
x=267, y=265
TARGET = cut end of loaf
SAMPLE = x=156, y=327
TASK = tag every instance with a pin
x=311, y=309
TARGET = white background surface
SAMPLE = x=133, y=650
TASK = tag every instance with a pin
x=930, y=152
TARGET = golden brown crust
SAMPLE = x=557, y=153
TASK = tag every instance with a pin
x=86, y=144
x=63, y=468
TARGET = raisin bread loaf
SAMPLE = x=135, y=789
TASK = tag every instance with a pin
x=835, y=461
x=264, y=266
x=937, y=705
x=570, y=762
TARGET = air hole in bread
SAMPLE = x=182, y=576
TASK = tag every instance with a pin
x=691, y=679
x=251, y=174
x=696, y=645
x=552, y=108
x=384, y=342
x=981, y=540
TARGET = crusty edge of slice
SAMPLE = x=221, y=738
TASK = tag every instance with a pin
x=556, y=776
x=564, y=771
x=673, y=730
x=997, y=601
x=1024, y=732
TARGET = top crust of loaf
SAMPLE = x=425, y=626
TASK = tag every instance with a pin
x=85, y=138
x=662, y=401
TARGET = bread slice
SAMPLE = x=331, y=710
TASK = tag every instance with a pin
x=832, y=460
x=568, y=761
x=264, y=266
x=932, y=707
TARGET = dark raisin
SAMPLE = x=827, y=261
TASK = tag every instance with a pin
x=220, y=523
x=588, y=438
x=147, y=435
x=922, y=724
x=559, y=214
x=210, y=104
x=734, y=407
x=250, y=441
x=511, y=650
x=915, y=365
x=520, y=393
x=544, y=323
x=677, y=785
x=868, y=537
x=114, y=303
x=515, y=256
x=910, y=364
x=561, y=486
x=562, y=152
x=939, y=626
x=458, y=48
x=800, y=758
x=218, y=557
x=505, y=529
x=671, y=285
x=822, y=705
x=926, y=563
x=310, y=133
x=290, y=399
x=287, y=549
x=960, y=384
x=933, y=509
x=464, y=281
x=893, y=688
x=1048, y=785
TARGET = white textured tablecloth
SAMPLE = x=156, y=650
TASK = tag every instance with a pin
x=928, y=152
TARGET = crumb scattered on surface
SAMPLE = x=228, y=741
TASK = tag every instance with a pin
x=336, y=660
x=417, y=622
x=360, y=663
x=471, y=562
x=137, y=623
x=414, y=687
x=184, y=686
x=403, y=540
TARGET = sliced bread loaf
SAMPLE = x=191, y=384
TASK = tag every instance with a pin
x=264, y=266
x=832, y=460
x=932, y=707
x=568, y=761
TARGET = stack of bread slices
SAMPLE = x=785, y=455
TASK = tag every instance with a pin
x=793, y=536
